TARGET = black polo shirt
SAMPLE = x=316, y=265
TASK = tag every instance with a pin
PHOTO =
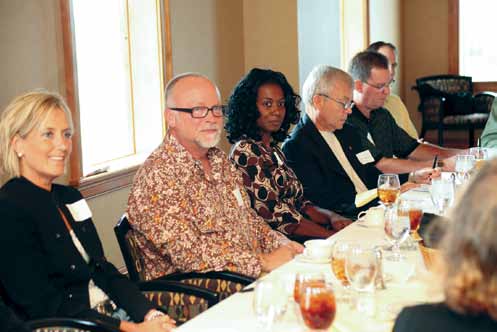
x=389, y=139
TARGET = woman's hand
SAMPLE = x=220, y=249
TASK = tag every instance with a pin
x=158, y=323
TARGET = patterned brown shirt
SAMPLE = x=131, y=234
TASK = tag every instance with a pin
x=275, y=191
x=185, y=221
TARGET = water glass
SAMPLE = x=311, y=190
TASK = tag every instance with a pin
x=397, y=227
x=269, y=303
x=361, y=268
x=442, y=194
x=464, y=164
x=481, y=154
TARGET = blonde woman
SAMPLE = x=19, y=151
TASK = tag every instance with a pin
x=470, y=249
x=52, y=261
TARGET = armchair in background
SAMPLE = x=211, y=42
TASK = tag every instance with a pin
x=447, y=103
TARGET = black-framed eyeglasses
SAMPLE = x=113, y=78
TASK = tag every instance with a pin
x=345, y=106
x=199, y=112
x=382, y=87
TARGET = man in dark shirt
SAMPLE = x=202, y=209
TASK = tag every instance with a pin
x=395, y=150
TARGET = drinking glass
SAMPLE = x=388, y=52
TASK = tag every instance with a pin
x=269, y=302
x=480, y=154
x=340, y=250
x=361, y=268
x=414, y=210
x=464, y=164
x=397, y=226
x=388, y=188
x=317, y=306
x=303, y=279
x=442, y=194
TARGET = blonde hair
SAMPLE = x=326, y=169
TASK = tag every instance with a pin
x=23, y=114
x=470, y=247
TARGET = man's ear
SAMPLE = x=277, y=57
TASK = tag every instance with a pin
x=317, y=102
x=358, y=85
x=170, y=118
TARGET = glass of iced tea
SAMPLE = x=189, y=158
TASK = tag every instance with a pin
x=303, y=279
x=338, y=256
x=318, y=306
x=388, y=188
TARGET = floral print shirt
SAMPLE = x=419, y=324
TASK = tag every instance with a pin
x=275, y=191
x=186, y=221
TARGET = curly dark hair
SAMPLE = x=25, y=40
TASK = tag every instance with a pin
x=242, y=112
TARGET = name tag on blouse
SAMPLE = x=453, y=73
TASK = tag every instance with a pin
x=79, y=210
x=238, y=196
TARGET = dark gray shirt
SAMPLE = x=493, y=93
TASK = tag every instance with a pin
x=389, y=139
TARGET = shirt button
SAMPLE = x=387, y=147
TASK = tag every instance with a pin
x=70, y=296
x=72, y=267
x=57, y=235
x=83, y=229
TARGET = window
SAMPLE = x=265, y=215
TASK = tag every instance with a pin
x=471, y=50
x=114, y=61
x=477, y=51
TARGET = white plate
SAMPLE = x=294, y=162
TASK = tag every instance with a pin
x=306, y=259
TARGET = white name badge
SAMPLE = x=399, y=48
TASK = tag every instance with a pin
x=365, y=157
x=238, y=196
x=79, y=210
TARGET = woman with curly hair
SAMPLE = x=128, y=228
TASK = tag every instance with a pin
x=470, y=275
x=261, y=110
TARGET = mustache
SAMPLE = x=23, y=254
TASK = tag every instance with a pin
x=211, y=127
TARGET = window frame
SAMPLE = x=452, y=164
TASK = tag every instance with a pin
x=453, y=48
x=107, y=182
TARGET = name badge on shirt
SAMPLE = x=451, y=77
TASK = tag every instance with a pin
x=238, y=196
x=79, y=210
x=365, y=157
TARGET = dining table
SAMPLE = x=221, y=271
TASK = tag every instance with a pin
x=407, y=282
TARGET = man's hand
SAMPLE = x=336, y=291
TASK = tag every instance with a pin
x=278, y=257
x=425, y=175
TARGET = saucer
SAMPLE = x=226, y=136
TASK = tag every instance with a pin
x=306, y=259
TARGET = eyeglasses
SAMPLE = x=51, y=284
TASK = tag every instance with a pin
x=345, y=106
x=199, y=112
x=383, y=87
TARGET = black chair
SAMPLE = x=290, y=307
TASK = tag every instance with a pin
x=180, y=301
x=68, y=325
x=447, y=103
x=224, y=283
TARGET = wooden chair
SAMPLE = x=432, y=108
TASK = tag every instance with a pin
x=447, y=103
x=223, y=283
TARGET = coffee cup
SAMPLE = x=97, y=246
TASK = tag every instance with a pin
x=318, y=249
x=375, y=216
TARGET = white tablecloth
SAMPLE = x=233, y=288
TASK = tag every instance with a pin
x=236, y=313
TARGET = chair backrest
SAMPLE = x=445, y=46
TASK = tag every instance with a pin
x=68, y=325
x=129, y=249
x=447, y=83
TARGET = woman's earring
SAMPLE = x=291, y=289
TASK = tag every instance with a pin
x=20, y=154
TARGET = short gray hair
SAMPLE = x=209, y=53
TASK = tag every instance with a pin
x=320, y=79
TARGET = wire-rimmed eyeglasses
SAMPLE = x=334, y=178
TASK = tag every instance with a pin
x=345, y=106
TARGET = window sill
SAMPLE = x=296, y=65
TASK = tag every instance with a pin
x=101, y=184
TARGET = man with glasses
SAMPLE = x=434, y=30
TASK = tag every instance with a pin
x=391, y=149
x=393, y=103
x=323, y=150
x=187, y=205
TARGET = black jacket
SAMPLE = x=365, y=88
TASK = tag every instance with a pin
x=325, y=182
x=439, y=318
x=41, y=271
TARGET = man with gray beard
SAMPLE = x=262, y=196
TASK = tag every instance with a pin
x=187, y=206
